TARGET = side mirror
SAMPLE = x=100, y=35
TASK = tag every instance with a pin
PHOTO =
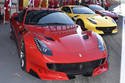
x=15, y=14
x=22, y=29
x=68, y=12
x=75, y=18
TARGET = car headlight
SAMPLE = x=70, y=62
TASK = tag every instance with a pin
x=92, y=21
x=101, y=44
x=43, y=47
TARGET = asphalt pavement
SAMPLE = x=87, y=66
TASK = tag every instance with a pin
x=10, y=71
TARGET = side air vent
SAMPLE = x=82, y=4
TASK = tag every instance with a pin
x=85, y=37
x=49, y=38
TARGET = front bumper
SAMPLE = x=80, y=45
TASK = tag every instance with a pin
x=48, y=74
x=106, y=30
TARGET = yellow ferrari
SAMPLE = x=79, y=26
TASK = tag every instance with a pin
x=88, y=20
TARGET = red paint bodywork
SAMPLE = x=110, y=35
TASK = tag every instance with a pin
x=68, y=2
x=106, y=3
x=66, y=48
x=107, y=13
x=53, y=3
x=36, y=3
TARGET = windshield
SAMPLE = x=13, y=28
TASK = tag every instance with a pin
x=47, y=17
x=96, y=7
x=82, y=10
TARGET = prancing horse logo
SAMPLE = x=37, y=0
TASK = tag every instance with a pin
x=80, y=55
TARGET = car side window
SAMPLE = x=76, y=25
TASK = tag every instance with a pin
x=66, y=9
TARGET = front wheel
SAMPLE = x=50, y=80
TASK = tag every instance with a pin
x=80, y=23
x=22, y=57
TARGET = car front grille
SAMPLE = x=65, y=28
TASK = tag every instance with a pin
x=85, y=68
x=106, y=29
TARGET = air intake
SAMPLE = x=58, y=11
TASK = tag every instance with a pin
x=49, y=38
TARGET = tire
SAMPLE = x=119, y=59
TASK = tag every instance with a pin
x=22, y=57
x=79, y=22
x=12, y=36
x=106, y=8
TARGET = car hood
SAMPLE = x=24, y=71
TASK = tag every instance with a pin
x=73, y=48
x=68, y=46
x=100, y=20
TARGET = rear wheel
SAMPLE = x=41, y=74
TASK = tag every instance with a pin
x=12, y=36
x=22, y=57
x=79, y=22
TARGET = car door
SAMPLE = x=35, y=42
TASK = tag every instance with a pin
x=18, y=25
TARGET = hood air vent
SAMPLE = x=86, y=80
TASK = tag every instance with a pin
x=85, y=37
x=49, y=38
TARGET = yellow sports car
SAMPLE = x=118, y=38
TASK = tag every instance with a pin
x=88, y=20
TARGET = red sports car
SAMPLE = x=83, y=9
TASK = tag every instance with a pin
x=52, y=46
x=104, y=3
x=100, y=10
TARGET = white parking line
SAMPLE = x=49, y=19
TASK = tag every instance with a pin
x=122, y=79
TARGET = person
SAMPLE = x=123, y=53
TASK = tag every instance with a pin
x=71, y=2
x=36, y=3
x=56, y=3
x=7, y=10
x=43, y=3
x=60, y=3
x=78, y=2
x=1, y=17
x=53, y=3
x=84, y=2
x=65, y=2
